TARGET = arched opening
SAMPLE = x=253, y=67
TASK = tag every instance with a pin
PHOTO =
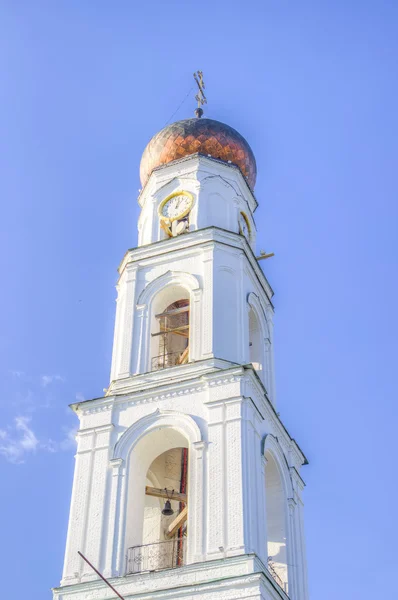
x=157, y=504
x=256, y=343
x=170, y=329
x=276, y=514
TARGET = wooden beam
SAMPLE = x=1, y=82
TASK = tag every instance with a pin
x=263, y=255
x=183, y=359
x=168, y=494
x=174, y=330
x=176, y=524
x=175, y=311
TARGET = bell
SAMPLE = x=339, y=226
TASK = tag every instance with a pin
x=167, y=511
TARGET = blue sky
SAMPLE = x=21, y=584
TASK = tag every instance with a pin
x=312, y=86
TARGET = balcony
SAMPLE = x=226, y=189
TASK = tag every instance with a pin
x=154, y=557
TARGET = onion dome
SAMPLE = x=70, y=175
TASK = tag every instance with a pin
x=204, y=136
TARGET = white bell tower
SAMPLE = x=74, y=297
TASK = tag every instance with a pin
x=187, y=484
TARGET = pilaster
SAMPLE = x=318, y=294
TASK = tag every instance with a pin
x=272, y=387
x=207, y=311
x=199, y=509
x=121, y=364
x=225, y=519
x=76, y=536
x=95, y=524
x=115, y=473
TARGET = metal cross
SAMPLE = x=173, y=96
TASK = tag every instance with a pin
x=200, y=96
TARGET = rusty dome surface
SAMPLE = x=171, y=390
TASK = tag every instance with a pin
x=205, y=136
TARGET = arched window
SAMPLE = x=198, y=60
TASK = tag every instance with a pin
x=256, y=343
x=170, y=338
x=158, y=506
x=276, y=514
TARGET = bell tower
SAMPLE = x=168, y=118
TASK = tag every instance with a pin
x=186, y=481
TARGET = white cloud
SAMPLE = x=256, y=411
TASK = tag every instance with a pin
x=29, y=440
x=18, y=441
x=18, y=374
x=47, y=379
x=50, y=446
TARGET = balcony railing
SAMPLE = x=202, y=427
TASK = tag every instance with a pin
x=169, y=359
x=153, y=557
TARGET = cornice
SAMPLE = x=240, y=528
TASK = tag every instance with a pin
x=184, y=166
x=196, y=381
x=169, y=376
x=163, y=391
x=297, y=475
x=290, y=444
x=188, y=244
x=211, y=577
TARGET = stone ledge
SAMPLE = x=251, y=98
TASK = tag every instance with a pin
x=196, y=241
x=233, y=578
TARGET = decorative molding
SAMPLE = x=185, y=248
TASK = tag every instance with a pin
x=232, y=578
x=169, y=278
x=157, y=420
x=192, y=242
x=203, y=167
x=96, y=409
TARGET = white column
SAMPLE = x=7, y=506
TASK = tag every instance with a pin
x=234, y=477
x=292, y=553
x=95, y=521
x=249, y=479
x=113, y=496
x=119, y=558
x=268, y=367
x=126, y=322
x=242, y=318
x=301, y=552
x=270, y=322
x=208, y=308
x=115, y=351
x=197, y=515
x=143, y=342
x=195, y=344
x=246, y=334
x=262, y=514
x=80, y=503
x=258, y=485
x=216, y=493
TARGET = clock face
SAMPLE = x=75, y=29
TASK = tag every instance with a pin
x=176, y=206
x=244, y=227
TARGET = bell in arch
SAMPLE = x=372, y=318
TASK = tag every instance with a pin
x=167, y=510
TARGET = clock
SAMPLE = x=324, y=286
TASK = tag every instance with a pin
x=244, y=226
x=176, y=206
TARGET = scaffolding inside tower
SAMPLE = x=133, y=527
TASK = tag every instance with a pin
x=173, y=334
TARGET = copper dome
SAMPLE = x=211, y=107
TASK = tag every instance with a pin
x=198, y=135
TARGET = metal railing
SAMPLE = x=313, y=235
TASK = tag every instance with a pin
x=274, y=574
x=153, y=557
x=169, y=359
